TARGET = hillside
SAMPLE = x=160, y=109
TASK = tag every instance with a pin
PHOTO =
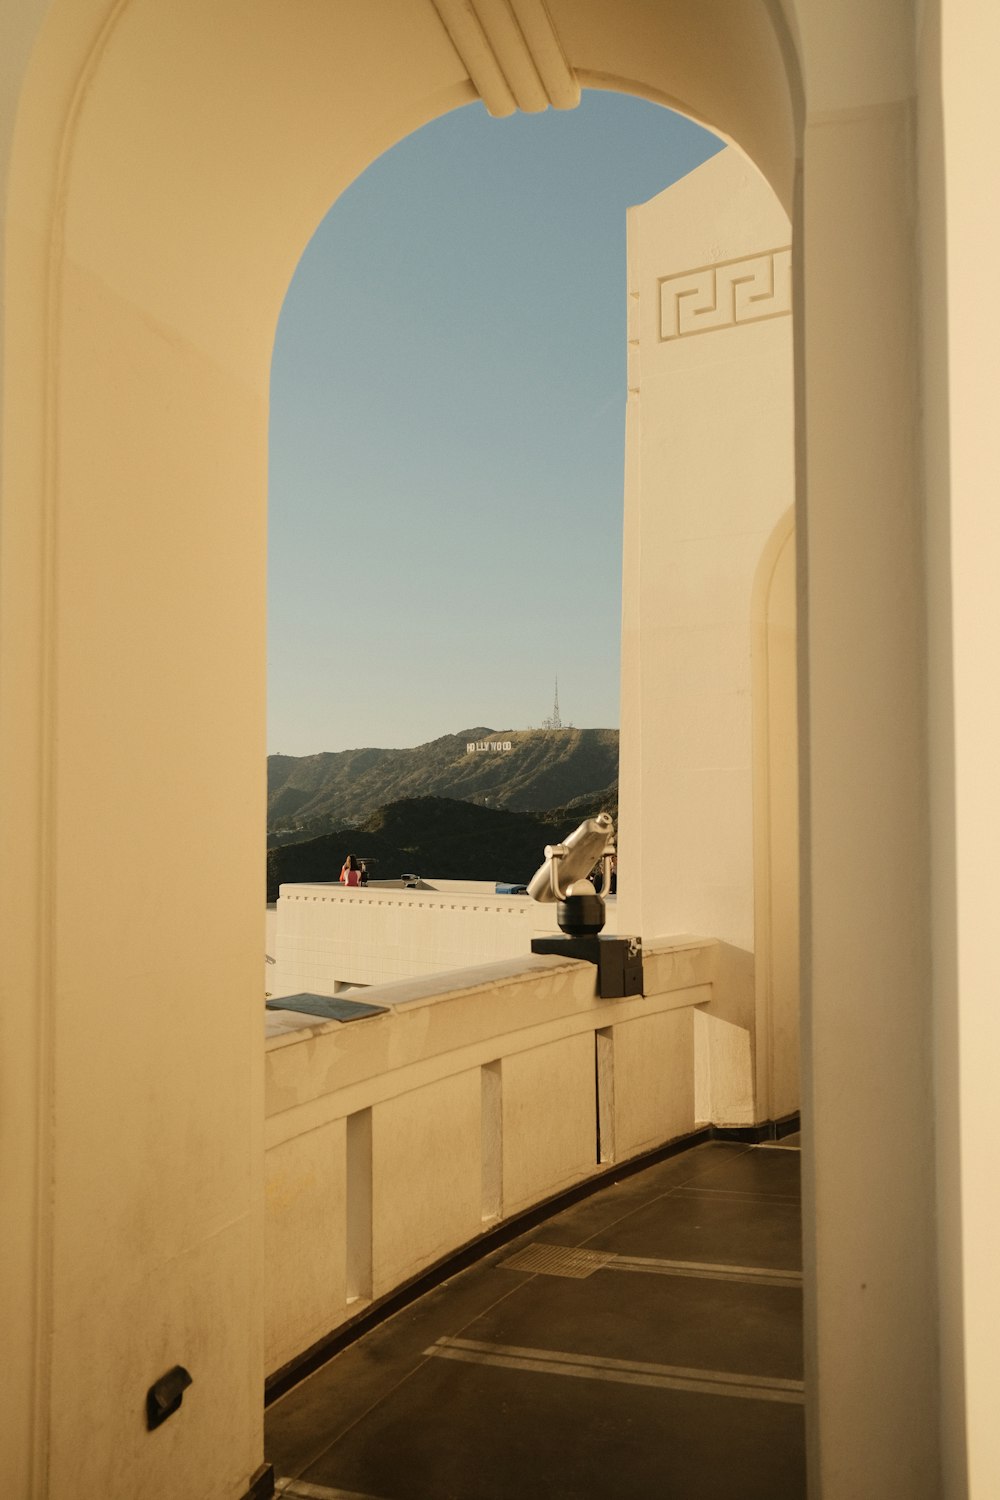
x=427, y=836
x=544, y=768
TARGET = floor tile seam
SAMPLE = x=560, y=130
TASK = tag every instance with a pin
x=736, y=1192
x=698, y=1382
x=694, y=1183
x=669, y=1192
x=743, y=1195
x=676, y=1187
x=695, y=1386
x=731, y=1154
x=322, y=1452
x=611, y=1362
x=710, y=1171
x=530, y=1276
x=417, y=1367
x=787, y=1283
x=737, y=1275
x=608, y=1229
x=641, y=1261
x=612, y=1260
x=302, y=1489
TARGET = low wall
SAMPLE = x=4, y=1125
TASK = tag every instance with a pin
x=327, y=935
x=396, y=1139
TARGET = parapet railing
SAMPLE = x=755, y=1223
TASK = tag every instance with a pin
x=395, y=1140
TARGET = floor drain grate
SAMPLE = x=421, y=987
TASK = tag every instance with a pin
x=557, y=1260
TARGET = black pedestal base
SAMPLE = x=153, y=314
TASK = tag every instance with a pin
x=618, y=960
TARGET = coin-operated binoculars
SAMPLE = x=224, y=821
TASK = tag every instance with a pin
x=581, y=912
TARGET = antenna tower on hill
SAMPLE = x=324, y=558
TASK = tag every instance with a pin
x=554, y=721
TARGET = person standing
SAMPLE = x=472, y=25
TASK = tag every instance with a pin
x=350, y=874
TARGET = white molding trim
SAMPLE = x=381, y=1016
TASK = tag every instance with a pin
x=512, y=53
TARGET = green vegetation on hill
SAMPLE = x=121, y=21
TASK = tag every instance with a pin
x=545, y=768
x=431, y=836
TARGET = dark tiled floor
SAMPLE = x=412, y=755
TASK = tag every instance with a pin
x=700, y=1224
x=634, y=1381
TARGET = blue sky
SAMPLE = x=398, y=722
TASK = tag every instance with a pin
x=447, y=430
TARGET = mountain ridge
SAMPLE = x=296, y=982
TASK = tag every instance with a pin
x=334, y=789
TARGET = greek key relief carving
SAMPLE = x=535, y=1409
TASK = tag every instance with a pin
x=726, y=295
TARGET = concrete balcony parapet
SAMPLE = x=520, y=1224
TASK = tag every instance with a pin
x=399, y=1138
x=463, y=1018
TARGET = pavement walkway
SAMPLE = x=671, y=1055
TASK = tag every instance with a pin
x=643, y=1344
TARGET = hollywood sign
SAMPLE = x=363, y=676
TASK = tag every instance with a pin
x=474, y=745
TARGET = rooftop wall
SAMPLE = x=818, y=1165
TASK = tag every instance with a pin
x=327, y=935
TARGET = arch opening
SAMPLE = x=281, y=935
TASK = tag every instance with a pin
x=448, y=389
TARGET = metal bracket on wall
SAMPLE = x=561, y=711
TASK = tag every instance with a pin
x=165, y=1396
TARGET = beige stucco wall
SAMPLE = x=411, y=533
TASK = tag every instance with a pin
x=959, y=335
x=709, y=472
x=425, y=1175
x=865, y=847
x=305, y=1227
x=656, y=1056
x=143, y=286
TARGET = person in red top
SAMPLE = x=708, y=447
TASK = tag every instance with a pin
x=350, y=873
